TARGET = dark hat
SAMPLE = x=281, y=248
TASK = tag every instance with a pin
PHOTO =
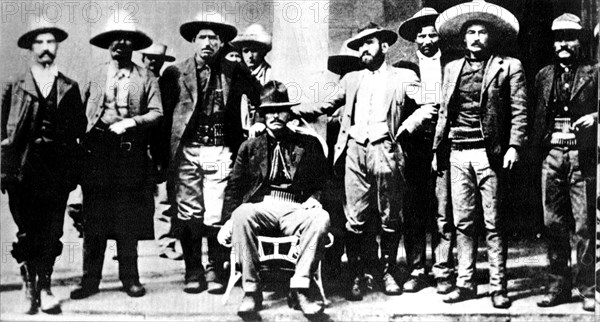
x=115, y=30
x=449, y=24
x=158, y=51
x=254, y=35
x=423, y=18
x=346, y=61
x=372, y=30
x=274, y=95
x=212, y=21
x=39, y=25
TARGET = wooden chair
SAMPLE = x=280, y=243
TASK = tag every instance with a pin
x=274, y=250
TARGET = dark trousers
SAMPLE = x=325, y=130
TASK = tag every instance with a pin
x=94, y=246
x=568, y=195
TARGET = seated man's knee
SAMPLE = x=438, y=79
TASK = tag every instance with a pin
x=244, y=213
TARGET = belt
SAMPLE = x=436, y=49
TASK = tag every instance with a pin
x=101, y=132
x=562, y=134
x=209, y=135
x=284, y=196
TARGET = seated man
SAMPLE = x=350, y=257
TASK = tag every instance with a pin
x=274, y=190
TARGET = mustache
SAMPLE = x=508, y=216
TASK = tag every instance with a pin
x=563, y=48
x=47, y=53
x=477, y=43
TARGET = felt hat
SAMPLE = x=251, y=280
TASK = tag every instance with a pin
x=119, y=29
x=372, y=30
x=158, y=51
x=254, y=35
x=39, y=25
x=411, y=27
x=212, y=21
x=274, y=96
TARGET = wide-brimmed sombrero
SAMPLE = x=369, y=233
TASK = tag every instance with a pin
x=411, y=27
x=346, y=61
x=449, y=23
x=121, y=29
x=158, y=51
x=372, y=30
x=40, y=26
x=212, y=21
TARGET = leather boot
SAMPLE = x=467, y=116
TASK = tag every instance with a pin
x=48, y=302
x=389, y=252
x=31, y=298
x=353, y=246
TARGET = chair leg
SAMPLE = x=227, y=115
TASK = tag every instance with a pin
x=319, y=281
x=234, y=277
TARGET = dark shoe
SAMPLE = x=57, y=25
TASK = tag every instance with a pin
x=171, y=253
x=460, y=294
x=134, y=289
x=444, y=286
x=589, y=304
x=356, y=291
x=299, y=301
x=390, y=287
x=83, y=290
x=414, y=284
x=29, y=287
x=195, y=287
x=251, y=303
x=500, y=300
x=554, y=299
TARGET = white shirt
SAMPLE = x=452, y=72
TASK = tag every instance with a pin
x=370, y=114
x=44, y=77
x=430, y=69
x=116, y=95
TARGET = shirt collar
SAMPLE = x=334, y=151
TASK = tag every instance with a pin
x=437, y=55
x=381, y=70
x=38, y=70
x=114, y=71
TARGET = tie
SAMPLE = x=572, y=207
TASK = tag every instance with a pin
x=278, y=165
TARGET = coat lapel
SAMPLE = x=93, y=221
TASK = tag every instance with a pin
x=62, y=86
x=296, y=158
x=581, y=78
x=28, y=84
x=453, y=79
x=189, y=79
x=390, y=87
x=494, y=67
x=263, y=156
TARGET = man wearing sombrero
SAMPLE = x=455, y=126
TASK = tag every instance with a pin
x=123, y=102
x=374, y=123
x=201, y=134
x=42, y=119
x=275, y=187
x=254, y=44
x=480, y=131
x=419, y=211
x=564, y=133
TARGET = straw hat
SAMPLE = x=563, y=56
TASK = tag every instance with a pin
x=158, y=51
x=115, y=30
x=254, y=35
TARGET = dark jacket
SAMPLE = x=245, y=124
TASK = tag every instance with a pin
x=583, y=100
x=20, y=123
x=179, y=89
x=248, y=179
x=503, y=108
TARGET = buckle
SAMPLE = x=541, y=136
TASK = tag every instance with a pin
x=125, y=146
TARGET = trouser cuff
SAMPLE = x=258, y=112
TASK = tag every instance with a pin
x=299, y=282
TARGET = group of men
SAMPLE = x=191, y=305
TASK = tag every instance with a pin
x=217, y=131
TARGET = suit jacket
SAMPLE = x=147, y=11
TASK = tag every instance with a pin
x=399, y=106
x=583, y=100
x=179, y=89
x=248, y=180
x=21, y=118
x=503, y=108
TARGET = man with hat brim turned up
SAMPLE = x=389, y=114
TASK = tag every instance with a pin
x=153, y=58
x=275, y=187
x=201, y=133
x=481, y=128
x=374, y=121
x=123, y=102
x=564, y=133
x=42, y=119
x=254, y=44
x=419, y=205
